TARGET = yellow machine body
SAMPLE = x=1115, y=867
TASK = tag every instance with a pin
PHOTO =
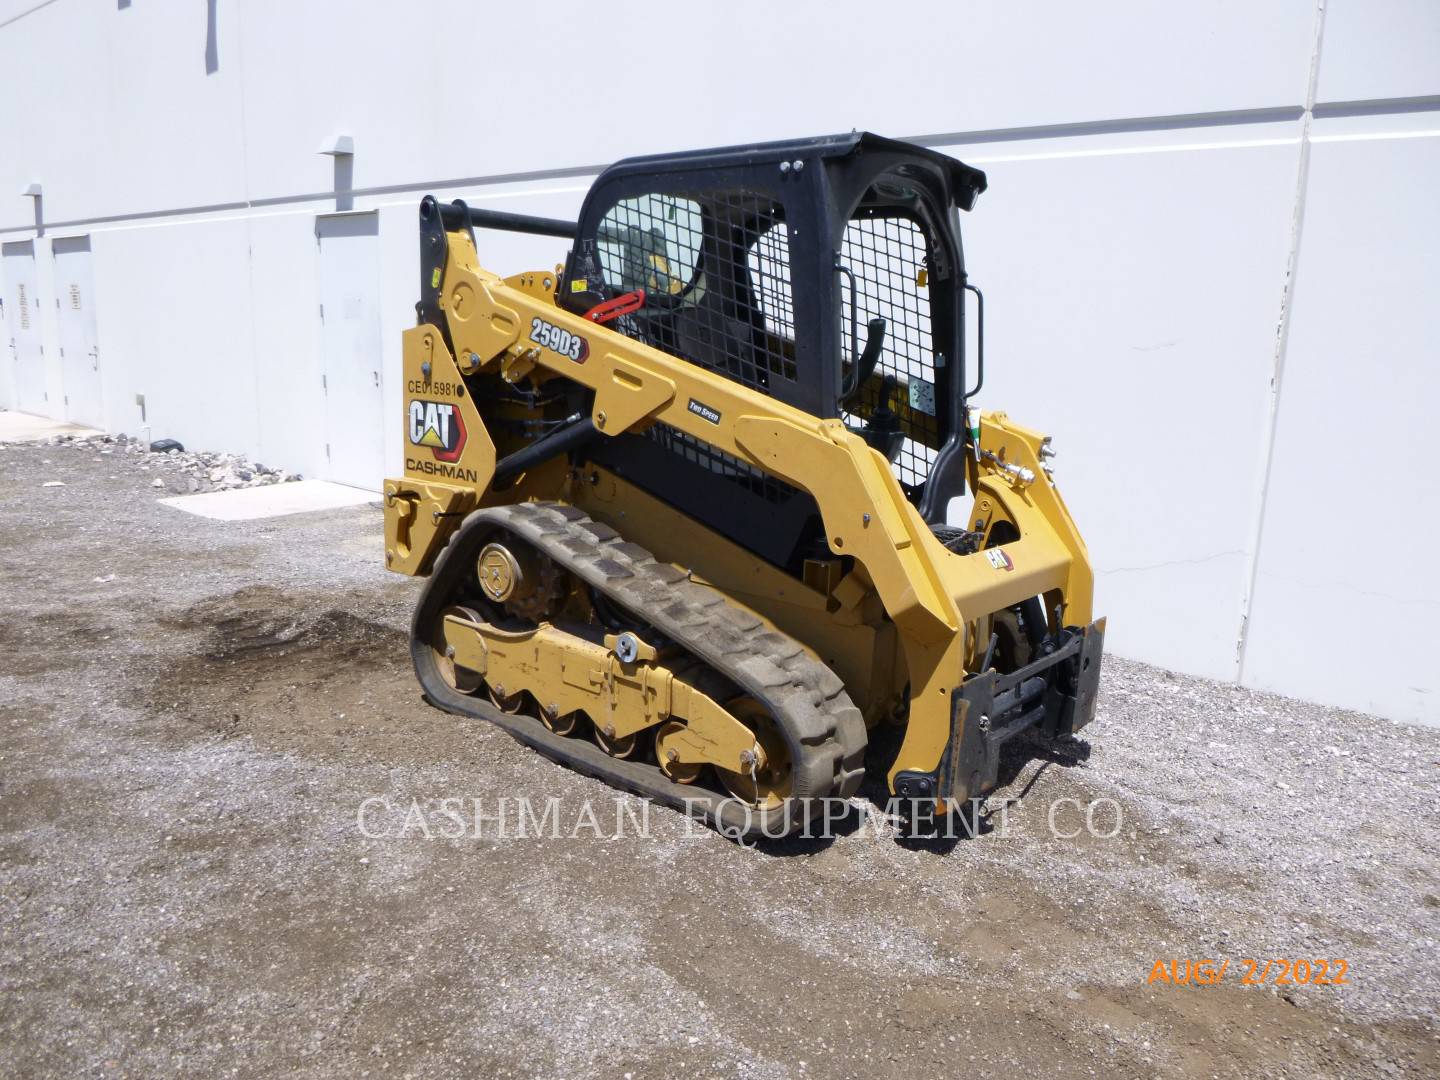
x=770, y=682
x=937, y=604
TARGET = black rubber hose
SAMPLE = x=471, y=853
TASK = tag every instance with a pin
x=561, y=441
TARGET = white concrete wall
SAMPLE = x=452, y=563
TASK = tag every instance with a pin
x=1208, y=246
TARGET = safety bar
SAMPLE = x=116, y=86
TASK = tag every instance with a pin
x=454, y=217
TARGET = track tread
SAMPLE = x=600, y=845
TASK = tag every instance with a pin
x=805, y=694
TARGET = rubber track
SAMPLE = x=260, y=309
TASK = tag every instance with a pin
x=805, y=696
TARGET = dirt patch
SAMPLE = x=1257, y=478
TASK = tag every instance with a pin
x=290, y=674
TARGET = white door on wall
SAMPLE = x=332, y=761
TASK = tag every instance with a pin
x=79, y=347
x=350, y=348
x=22, y=315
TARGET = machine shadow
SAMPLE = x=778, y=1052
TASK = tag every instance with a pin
x=940, y=835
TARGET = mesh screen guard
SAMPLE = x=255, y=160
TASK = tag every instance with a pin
x=717, y=279
x=716, y=267
x=889, y=257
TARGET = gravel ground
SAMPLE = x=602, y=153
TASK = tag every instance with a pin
x=194, y=714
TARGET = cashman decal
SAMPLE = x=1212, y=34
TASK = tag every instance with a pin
x=438, y=425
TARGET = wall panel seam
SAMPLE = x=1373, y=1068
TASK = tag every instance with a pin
x=1282, y=339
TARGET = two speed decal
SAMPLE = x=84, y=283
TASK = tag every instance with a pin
x=705, y=412
x=549, y=336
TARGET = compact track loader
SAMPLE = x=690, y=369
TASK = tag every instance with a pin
x=682, y=501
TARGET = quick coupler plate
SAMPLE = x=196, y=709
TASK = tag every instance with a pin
x=1055, y=694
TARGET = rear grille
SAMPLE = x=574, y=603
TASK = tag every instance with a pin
x=716, y=461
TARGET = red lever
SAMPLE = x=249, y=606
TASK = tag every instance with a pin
x=613, y=309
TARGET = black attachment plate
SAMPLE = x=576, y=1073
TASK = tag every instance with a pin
x=1056, y=693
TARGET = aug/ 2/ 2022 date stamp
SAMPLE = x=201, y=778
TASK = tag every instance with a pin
x=1250, y=972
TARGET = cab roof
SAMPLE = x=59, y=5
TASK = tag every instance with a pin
x=965, y=182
